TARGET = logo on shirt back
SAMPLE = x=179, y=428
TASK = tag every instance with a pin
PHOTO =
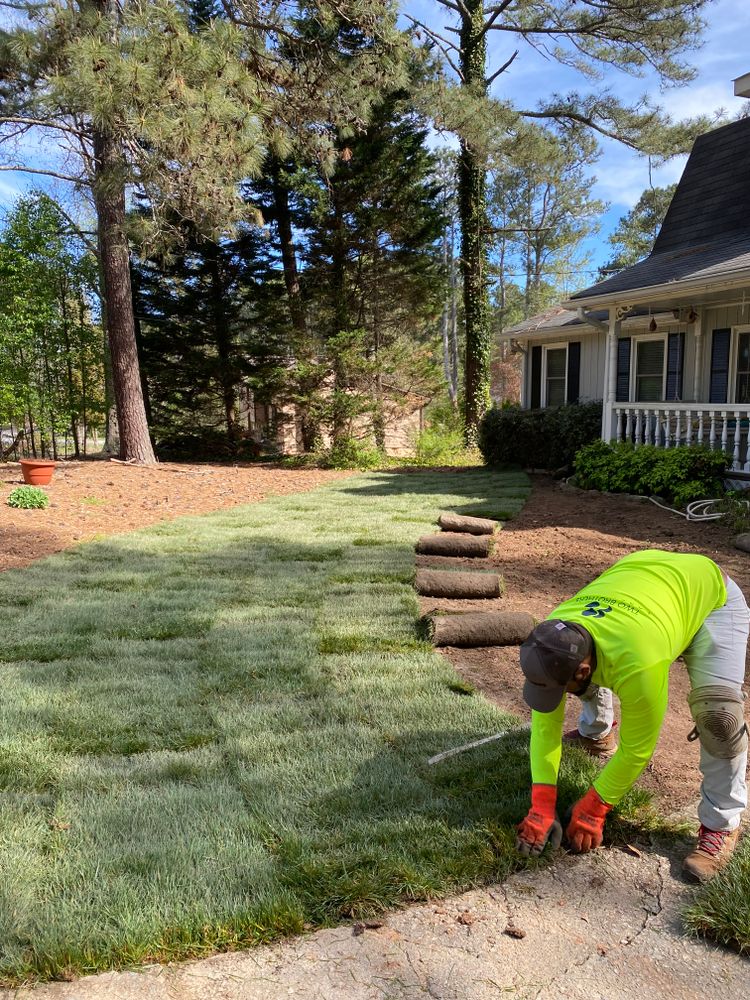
x=595, y=610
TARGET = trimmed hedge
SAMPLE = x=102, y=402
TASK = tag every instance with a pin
x=538, y=439
x=679, y=475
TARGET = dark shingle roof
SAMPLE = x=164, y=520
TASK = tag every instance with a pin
x=556, y=318
x=706, y=232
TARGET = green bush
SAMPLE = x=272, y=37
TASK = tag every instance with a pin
x=438, y=445
x=352, y=454
x=538, y=439
x=680, y=475
x=28, y=498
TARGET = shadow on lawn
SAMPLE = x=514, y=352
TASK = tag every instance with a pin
x=492, y=492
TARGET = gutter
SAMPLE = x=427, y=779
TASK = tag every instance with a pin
x=643, y=295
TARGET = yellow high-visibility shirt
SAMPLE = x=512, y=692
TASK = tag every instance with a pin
x=642, y=613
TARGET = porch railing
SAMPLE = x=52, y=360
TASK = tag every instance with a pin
x=669, y=425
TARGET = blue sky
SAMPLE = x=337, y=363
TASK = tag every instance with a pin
x=621, y=175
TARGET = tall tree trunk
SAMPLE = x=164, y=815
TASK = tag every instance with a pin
x=339, y=427
x=109, y=198
x=473, y=214
x=449, y=323
x=223, y=339
x=69, y=366
x=309, y=427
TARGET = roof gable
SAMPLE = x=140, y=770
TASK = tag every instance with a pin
x=706, y=231
x=713, y=196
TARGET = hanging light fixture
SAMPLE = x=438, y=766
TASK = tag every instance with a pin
x=692, y=315
x=652, y=325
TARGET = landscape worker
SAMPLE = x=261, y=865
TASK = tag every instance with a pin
x=620, y=634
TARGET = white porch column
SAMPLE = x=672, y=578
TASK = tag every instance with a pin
x=608, y=409
x=698, y=370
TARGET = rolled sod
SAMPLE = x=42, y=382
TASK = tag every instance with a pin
x=453, y=543
x=483, y=628
x=437, y=583
x=469, y=525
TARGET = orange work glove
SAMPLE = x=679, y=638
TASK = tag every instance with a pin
x=586, y=827
x=541, y=824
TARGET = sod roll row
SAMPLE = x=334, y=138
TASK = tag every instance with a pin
x=456, y=544
x=469, y=525
x=469, y=586
x=485, y=628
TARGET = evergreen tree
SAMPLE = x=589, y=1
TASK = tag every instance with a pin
x=541, y=208
x=636, y=232
x=373, y=270
x=181, y=105
x=194, y=311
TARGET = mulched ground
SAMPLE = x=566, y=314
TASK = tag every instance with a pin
x=562, y=539
x=99, y=497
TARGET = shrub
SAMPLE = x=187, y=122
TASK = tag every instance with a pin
x=538, y=439
x=443, y=446
x=680, y=475
x=28, y=498
x=351, y=454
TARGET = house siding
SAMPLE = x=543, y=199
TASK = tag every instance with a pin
x=593, y=348
x=721, y=318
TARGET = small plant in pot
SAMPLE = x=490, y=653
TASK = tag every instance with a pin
x=37, y=471
x=28, y=498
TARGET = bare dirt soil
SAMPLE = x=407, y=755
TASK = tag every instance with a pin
x=99, y=497
x=560, y=541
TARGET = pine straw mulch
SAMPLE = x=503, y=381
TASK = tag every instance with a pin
x=99, y=497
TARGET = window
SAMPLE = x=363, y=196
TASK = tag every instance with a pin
x=649, y=371
x=742, y=386
x=555, y=375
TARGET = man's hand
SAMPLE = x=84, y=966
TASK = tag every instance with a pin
x=541, y=824
x=586, y=828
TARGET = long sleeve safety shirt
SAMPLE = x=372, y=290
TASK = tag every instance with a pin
x=642, y=613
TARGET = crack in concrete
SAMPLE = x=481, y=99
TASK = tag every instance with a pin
x=648, y=912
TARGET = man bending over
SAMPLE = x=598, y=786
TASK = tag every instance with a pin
x=621, y=633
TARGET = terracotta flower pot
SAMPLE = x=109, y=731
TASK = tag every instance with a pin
x=37, y=471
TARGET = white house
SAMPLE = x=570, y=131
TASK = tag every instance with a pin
x=665, y=344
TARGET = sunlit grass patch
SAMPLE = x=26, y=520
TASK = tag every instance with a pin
x=721, y=909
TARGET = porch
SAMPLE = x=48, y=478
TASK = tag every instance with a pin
x=670, y=425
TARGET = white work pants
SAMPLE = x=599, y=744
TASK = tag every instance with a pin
x=715, y=656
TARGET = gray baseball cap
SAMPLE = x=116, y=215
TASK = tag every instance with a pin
x=549, y=659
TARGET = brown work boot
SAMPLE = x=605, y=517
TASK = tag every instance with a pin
x=600, y=749
x=715, y=848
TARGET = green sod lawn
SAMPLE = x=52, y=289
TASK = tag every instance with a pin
x=721, y=909
x=215, y=731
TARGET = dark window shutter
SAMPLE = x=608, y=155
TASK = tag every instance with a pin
x=623, y=370
x=574, y=371
x=675, y=357
x=719, y=366
x=536, y=377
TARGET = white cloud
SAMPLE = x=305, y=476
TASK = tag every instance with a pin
x=9, y=192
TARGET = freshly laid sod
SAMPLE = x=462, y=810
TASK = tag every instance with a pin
x=721, y=909
x=215, y=731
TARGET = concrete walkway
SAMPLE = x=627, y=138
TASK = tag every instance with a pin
x=601, y=927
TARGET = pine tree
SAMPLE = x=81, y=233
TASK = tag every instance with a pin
x=373, y=268
x=636, y=232
x=583, y=34
x=182, y=106
x=542, y=209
